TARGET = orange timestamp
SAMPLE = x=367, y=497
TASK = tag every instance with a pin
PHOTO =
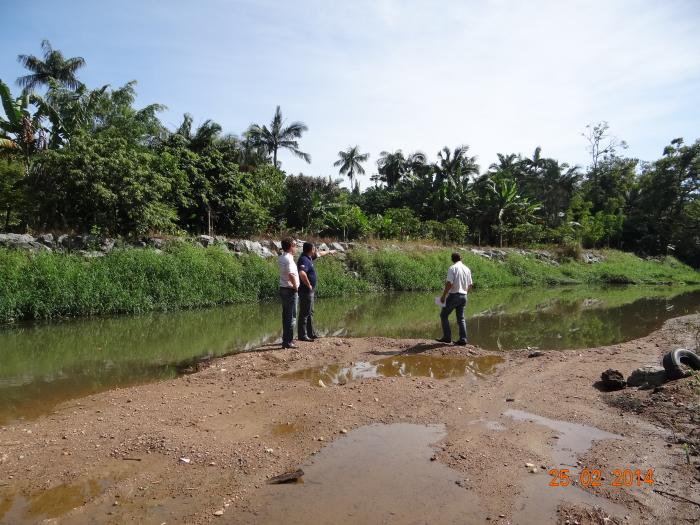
x=593, y=477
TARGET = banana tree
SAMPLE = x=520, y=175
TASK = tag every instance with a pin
x=509, y=203
x=21, y=132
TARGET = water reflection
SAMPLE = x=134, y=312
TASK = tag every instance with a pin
x=49, y=503
x=399, y=366
x=43, y=364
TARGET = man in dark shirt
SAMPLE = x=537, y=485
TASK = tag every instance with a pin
x=307, y=288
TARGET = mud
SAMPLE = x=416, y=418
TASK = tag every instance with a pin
x=404, y=447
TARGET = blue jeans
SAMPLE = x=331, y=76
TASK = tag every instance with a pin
x=456, y=302
x=305, y=321
x=289, y=314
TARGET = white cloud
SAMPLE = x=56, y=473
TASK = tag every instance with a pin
x=500, y=76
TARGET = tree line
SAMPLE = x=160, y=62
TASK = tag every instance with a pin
x=88, y=160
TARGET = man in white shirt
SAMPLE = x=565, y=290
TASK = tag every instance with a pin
x=454, y=297
x=289, y=285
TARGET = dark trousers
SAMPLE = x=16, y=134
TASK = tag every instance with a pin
x=289, y=314
x=306, y=315
x=456, y=302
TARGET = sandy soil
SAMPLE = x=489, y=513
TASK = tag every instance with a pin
x=200, y=448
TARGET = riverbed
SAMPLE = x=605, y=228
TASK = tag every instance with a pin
x=44, y=364
x=405, y=431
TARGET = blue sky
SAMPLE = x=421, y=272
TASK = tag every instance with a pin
x=501, y=76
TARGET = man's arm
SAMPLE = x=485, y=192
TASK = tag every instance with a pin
x=325, y=252
x=294, y=280
x=448, y=285
x=305, y=279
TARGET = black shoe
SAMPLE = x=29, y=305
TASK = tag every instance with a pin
x=305, y=339
x=289, y=345
x=446, y=341
x=315, y=336
x=461, y=342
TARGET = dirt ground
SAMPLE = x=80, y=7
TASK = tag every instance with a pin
x=200, y=448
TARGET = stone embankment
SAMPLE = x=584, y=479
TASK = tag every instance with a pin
x=96, y=246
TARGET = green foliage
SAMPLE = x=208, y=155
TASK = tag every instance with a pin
x=52, y=285
x=396, y=223
x=341, y=220
x=104, y=179
x=11, y=193
x=91, y=159
x=452, y=231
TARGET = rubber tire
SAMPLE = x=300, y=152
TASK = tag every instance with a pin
x=675, y=360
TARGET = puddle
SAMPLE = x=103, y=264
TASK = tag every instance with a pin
x=399, y=366
x=375, y=474
x=574, y=439
x=284, y=429
x=50, y=503
x=538, y=498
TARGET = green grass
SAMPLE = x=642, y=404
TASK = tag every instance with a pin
x=54, y=285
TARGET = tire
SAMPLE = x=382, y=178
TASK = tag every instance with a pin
x=675, y=361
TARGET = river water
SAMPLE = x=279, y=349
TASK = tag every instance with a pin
x=43, y=364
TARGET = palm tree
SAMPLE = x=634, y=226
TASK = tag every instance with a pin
x=350, y=162
x=391, y=167
x=205, y=135
x=416, y=164
x=278, y=137
x=53, y=67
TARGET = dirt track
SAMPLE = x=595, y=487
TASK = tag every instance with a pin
x=116, y=457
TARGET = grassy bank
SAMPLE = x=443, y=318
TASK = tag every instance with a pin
x=51, y=285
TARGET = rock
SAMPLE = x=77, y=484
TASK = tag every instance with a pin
x=647, y=376
x=22, y=242
x=480, y=252
x=321, y=383
x=536, y=353
x=218, y=512
x=205, y=240
x=246, y=246
x=286, y=478
x=337, y=247
x=529, y=465
x=186, y=461
x=157, y=242
x=613, y=379
x=107, y=245
x=323, y=247
x=590, y=258
x=91, y=254
x=510, y=399
x=63, y=241
x=47, y=239
x=343, y=431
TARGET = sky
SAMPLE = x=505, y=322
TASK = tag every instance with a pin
x=502, y=76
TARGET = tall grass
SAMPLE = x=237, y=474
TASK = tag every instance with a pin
x=51, y=285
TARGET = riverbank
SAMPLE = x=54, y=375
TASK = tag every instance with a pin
x=200, y=448
x=50, y=285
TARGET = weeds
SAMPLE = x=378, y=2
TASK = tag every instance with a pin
x=51, y=285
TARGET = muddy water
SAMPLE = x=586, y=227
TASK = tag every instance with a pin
x=50, y=503
x=541, y=499
x=375, y=474
x=44, y=364
x=399, y=366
